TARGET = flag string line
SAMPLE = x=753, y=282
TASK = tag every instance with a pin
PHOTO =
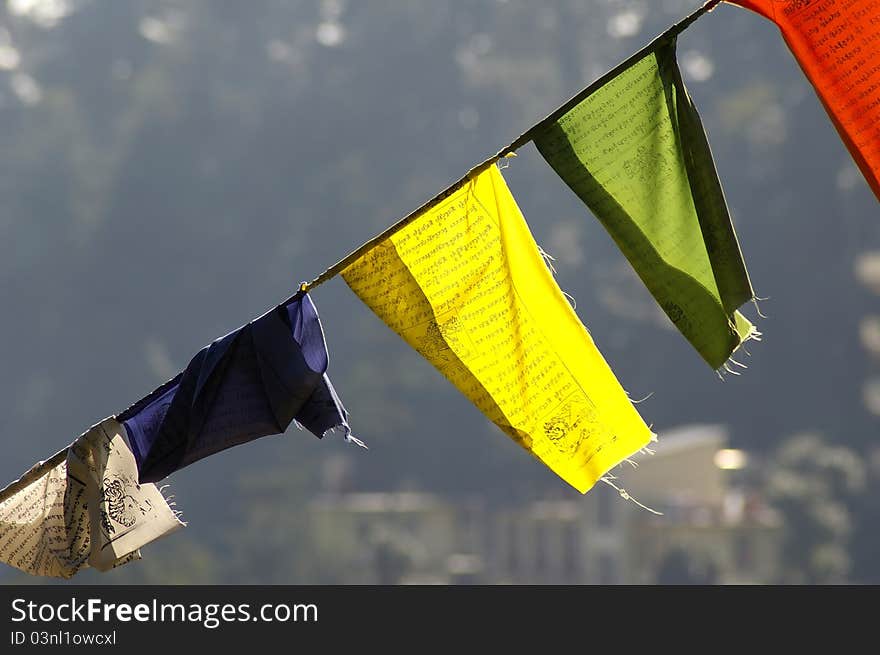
x=509, y=149
x=41, y=467
x=33, y=473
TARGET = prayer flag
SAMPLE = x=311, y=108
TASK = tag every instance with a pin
x=88, y=510
x=250, y=383
x=837, y=44
x=633, y=148
x=465, y=285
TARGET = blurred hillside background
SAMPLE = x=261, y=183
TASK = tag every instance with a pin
x=172, y=169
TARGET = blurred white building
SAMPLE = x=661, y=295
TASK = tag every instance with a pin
x=710, y=531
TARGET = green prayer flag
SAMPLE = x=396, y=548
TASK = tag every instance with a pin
x=633, y=148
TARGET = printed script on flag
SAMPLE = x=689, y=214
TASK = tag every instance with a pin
x=635, y=152
x=89, y=510
x=465, y=285
x=837, y=43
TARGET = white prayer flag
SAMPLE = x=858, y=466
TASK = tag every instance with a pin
x=88, y=510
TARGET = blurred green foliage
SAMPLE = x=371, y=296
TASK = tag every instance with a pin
x=171, y=169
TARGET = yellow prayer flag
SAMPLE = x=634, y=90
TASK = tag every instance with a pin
x=465, y=285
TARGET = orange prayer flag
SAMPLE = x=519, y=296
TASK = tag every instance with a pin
x=837, y=44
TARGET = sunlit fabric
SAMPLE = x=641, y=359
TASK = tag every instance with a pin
x=635, y=152
x=88, y=510
x=250, y=383
x=837, y=44
x=466, y=286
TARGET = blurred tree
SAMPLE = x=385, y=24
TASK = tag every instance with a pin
x=170, y=169
x=391, y=562
x=678, y=567
x=866, y=535
x=816, y=487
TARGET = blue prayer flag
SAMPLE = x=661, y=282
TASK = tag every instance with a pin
x=251, y=383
